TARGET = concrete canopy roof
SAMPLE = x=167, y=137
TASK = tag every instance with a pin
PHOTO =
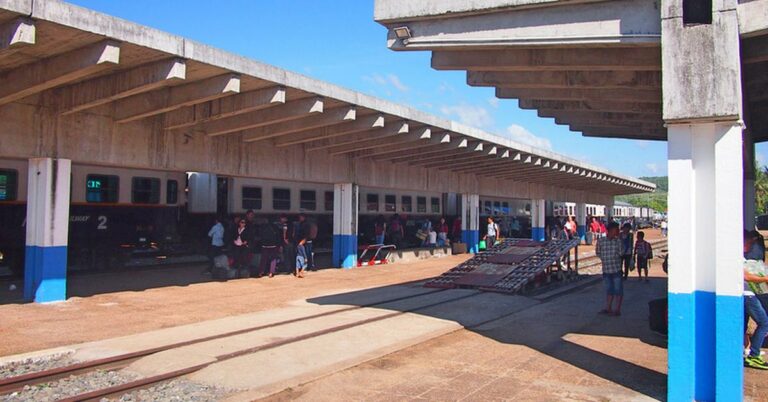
x=87, y=60
x=592, y=65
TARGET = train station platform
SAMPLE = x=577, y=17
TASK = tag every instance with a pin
x=526, y=348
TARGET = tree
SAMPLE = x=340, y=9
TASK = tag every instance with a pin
x=761, y=190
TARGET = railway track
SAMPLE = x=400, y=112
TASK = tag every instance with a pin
x=17, y=383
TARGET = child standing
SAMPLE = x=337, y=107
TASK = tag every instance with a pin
x=643, y=253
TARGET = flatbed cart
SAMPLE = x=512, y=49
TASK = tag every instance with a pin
x=374, y=250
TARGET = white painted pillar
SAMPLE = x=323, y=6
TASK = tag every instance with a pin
x=581, y=219
x=45, y=264
x=470, y=221
x=705, y=277
x=345, y=199
x=538, y=219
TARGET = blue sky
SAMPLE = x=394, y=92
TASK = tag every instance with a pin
x=338, y=41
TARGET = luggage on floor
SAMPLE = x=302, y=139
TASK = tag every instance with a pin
x=221, y=261
x=459, y=248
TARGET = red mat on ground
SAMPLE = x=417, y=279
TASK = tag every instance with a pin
x=484, y=275
x=508, y=258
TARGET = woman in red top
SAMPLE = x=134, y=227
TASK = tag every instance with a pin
x=442, y=233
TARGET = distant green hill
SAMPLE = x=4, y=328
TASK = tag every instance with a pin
x=656, y=200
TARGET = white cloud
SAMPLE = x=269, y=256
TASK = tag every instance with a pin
x=642, y=144
x=760, y=159
x=395, y=81
x=476, y=116
x=521, y=134
x=494, y=102
x=652, y=167
x=445, y=87
x=389, y=80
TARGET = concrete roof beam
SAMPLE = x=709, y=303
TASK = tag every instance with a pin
x=167, y=99
x=362, y=124
x=566, y=79
x=388, y=131
x=102, y=90
x=590, y=107
x=17, y=34
x=58, y=70
x=583, y=94
x=301, y=126
x=228, y=106
x=562, y=59
x=289, y=111
x=621, y=132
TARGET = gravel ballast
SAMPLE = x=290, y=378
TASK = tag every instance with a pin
x=35, y=364
x=69, y=386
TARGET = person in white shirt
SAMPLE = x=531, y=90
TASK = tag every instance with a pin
x=491, y=233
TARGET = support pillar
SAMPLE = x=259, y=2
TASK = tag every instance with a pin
x=345, y=199
x=470, y=221
x=581, y=220
x=705, y=287
x=45, y=265
x=538, y=219
x=750, y=208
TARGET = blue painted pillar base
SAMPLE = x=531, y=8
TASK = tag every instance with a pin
x=704, y=332
x=538, y=234
x=472, y=239
x=344, y=251
x=582, y=231
x=45, y=274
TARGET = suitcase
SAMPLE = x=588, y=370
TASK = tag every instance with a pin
x=459, y=248
x=588, y=238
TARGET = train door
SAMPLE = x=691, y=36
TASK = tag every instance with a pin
x=222, y=195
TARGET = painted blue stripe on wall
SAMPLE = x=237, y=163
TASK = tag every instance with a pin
x=705, y=347
x=344, y=251
x=472, y=239
x=45, y=274
x=729, y=336
x=538, y=234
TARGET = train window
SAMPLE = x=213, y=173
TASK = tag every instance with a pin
x=421, y=205
x=171, y=192
x=329, y=200
x=389, y=203
x=308, y=200
x=435, y=203
x=9, y=180
x=372, y=202
x=505, y=208
x=406, y=203
x=281, y=199
x=145, y=190
x=497, y=207
x=251, y=198
x=101, y=188
x=487, y=208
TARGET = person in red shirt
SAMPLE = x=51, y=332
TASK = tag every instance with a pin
x=442, y=233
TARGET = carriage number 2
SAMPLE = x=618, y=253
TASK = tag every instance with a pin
x=102, y=223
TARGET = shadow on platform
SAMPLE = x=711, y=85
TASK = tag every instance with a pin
x=558, y=328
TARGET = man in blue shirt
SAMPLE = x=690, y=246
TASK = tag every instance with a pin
x=216, y=233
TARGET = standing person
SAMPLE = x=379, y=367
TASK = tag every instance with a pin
x=627, y=241
x=456, y=231
x=442, y=233
x=379, y=229
x=643, y=253
x=271, y=235
x=664, y=228
x=491, y=233
x=301, y=260
x=753, y=308
x=242, y=245
x=603, y=229
x=594, y=227
x=216, y=233
x=231, y=230
x=396, y=231
x=610, y=251
x=287, y=247
x=310, y=234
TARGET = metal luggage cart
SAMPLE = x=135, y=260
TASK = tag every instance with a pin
x=375, y=259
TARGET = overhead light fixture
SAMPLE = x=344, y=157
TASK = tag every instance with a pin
x=402, y=32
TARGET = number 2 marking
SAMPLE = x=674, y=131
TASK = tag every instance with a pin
x=102, y=223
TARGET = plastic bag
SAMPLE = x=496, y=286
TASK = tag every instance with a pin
x=757, y=268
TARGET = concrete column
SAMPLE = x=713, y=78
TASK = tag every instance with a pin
x=538, y=219
x=705, y=286
x=345, y=199
x=45, y=266
x=749, y=181
x=581, y=219
x=470, y=221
